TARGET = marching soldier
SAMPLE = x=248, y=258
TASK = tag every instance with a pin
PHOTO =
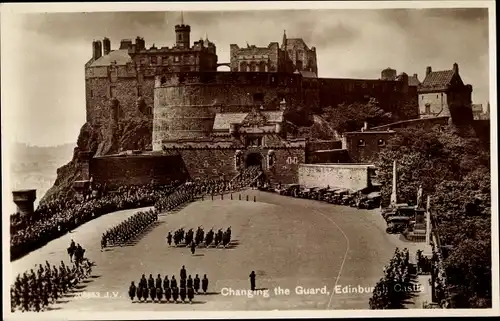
x=152, y=293
x=169, y=239
x=189, y=282
x=158, y=281
x=196, y=283
x=151, y=281
x=173, y=282
x=204, y=284
x=183, y=294
x=183, y=273
x=168, y=294
x=175, y=294
x=139, y=292
x=183, y=283
x=166, y=283
x=159, y=293
x=131, y=291
x=190, y=294
x=143, y=283
x=193, y=248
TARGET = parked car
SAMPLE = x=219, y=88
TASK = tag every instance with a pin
x=397, y=224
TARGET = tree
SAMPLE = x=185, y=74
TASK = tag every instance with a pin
x=454, y=170
x=350, y=117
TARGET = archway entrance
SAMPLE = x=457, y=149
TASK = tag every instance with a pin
x=254, y=159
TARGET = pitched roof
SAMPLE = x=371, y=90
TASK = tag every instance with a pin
x=438, y=79
x=224, y=120
x=121, y=57
x=299, y=42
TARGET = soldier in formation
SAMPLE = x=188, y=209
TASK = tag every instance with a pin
x=193, y=240
x=35, y=291
x=157, y=289
x=128, y=229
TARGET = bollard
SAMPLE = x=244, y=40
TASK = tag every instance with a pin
x=240, y=197
x=254, y=198
x=221, y=196
x=202, y=197
x=247, y=198
x=212, y=197
x=231, y=196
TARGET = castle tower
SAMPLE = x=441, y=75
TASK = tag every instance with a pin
x=182, y=34
x=284, y=40
x=388, y=74
x=24, y=200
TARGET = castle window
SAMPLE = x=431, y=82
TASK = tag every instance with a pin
x=381, y=142
x=427, y=108
x=154, y=60
x=177, y=59
x=163, y=80
x=179, y=37
x=112, y=92
x=361, y=143
x=91, y=94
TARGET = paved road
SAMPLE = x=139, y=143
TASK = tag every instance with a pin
x=288, y=242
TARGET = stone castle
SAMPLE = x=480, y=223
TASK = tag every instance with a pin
x=211, y=124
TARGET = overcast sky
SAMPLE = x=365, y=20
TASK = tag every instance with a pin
x=47, y=91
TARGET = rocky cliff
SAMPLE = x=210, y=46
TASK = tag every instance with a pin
x=127, y=134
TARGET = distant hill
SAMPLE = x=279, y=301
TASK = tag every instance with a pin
x=36, y=166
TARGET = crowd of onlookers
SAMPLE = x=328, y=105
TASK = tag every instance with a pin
x=396, y=286
x=56, y=218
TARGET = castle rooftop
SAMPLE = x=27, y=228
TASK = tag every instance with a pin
x=120, y=56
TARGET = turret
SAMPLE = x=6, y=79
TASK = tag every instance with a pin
x=284, y=39
x=140, y=44
x=106, y=43
x=24, y=200
x=455, y=68
x=388, y=74
x=182, y=34
x=96, y=49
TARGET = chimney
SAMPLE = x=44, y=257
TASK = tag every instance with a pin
x=455, y=68
x=415, y=76
x=96, y=50
x=428, y=71
x=365, y=126
x=106, y=43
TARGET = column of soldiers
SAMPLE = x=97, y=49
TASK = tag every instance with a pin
x=128, y=229
x=35, y=291
x=192, y=239
x=189, y=190
x=76, y=252
x=151, y=290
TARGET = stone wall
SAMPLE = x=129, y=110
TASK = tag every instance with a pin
x=393, y=96
x=350, y=176
x=363, y=147
x=127, y=170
